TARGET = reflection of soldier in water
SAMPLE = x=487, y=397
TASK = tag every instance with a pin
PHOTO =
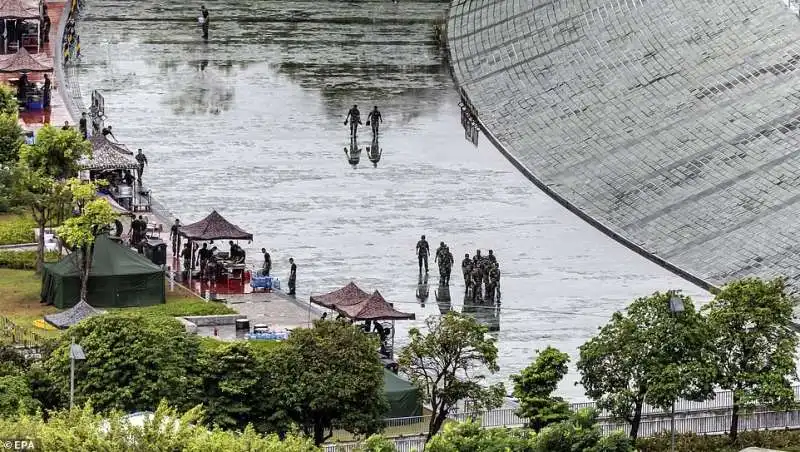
x=353, y=155
x=374, y=152
x=422, y=289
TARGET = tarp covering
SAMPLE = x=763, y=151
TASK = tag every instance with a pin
x=403, y=397
x=118, y=277
x=73, y=315
x=22, y=61
x=108, y=156
x=19, y=9
x=347, y=295
x=214, y=227
x=373, y=308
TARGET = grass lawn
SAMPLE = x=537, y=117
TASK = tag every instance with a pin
x=19, y=301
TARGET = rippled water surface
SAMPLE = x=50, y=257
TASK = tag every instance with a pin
x=251, y=123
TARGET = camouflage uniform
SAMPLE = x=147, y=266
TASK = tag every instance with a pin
x=477, y=279
x=447, y=264
x=466, y=270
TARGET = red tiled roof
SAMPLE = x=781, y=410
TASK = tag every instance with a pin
x=347, y=295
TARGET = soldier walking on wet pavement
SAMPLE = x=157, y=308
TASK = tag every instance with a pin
x=446, y=262
x=423, y=251
x=204, y=21
x=175, y=236
x=438, y=259
x=375, y=119
x=292, y=276
x=466, y=270
x=142, y=159
x=267, y=261
x=83, y=126
x=354, y=116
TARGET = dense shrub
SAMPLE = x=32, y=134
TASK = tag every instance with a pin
x=188, y=308
x=785, y=440
x=24, y=260
x=16, y=229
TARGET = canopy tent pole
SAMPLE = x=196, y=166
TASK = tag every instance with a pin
x=392, y=356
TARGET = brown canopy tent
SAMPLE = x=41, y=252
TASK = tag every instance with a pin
x=347, y=295
x=214, y=227
x=23, y=61
x=373, y=308
x=23, y=10
x=108, y=156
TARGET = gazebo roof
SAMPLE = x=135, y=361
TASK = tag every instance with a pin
x=373, y=308
x=22, y=61
x=214, y=227
x=108, y=156
x=19, y=9
x=73, y=315
x=347, y=295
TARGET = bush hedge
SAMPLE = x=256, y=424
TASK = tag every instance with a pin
x=186, y=308
x=784, y=440
x=16, y=229
x=24, y=260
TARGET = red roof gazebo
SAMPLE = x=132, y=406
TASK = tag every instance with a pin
x=347, y=295
x=373, y=308
x=23, y=61
x=214, y=227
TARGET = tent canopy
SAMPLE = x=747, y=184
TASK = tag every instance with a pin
x=19, y=9
x=118, y=277
x=403, y=397
x=108, y=156
x=73, y=315
x=347, y=295
x=373, y=308
x=22, y=61
x=214, y=227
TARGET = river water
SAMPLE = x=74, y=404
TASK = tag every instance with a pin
x=251, y=123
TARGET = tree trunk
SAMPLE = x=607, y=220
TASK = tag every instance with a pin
x=637, y=419
x=40, y=223
x=734, y=418
x=319, y=433
x=86, y=266
x=436, y=424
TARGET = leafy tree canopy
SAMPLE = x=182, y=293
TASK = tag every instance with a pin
x=534, y=388
x=132, y=362
x=647, y=355
x=8, y=101
x=10, y=138
x=329, y=377
x=753, y=343
x=56, y=152
x=447, y=364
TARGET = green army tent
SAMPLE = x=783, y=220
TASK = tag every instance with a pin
x=403, y=397
x=119, y=277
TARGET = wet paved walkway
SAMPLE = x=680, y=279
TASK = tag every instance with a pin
x=258, y=134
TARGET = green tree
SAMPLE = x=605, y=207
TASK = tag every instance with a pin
x=44, y=196
x=132, y=362
x=470, y=437
x=647, y=355
x=10, y=138
x=8, y=101
x=16, y=396
x=84, y=430
x=580, y=433
x=40, y=174
x=377, y=443
x=328, y=377
x=80, y=232
x=753, y=344
x=447, y=363
x=232, y=385
x=534, y=388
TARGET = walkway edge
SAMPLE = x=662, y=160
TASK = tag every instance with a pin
x=451, y=26
x=58, y=63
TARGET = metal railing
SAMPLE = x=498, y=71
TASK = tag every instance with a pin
x=18, y=335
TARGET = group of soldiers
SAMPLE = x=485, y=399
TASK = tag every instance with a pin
x=481, y=273
x=481, y=277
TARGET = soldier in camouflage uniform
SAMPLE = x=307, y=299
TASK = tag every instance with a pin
x=447, y=264
x=477, y=280
x=438, y=260
x=466, y=270
x=493, y=281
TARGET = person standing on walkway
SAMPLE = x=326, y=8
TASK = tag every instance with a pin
x=142, y=159
x=354, y=116
x=292, y=276
x=267, y=261
x=46, y=92
x=83, y=126
x=375, y=119
x=204, y=21
x=175, y=236
x=423, y=251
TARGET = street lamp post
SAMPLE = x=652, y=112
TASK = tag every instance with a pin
x=675, y=307
x=75, y=354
